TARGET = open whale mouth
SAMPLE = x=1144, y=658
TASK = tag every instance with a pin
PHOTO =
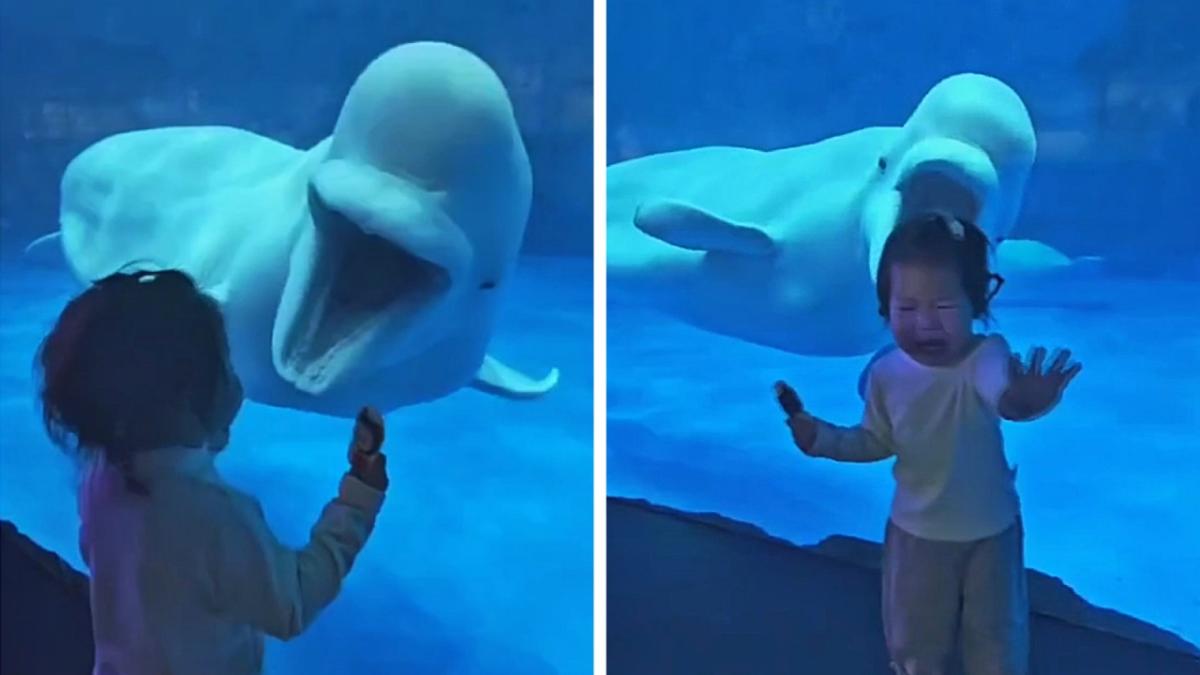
x=938, y=175
x=346, y=286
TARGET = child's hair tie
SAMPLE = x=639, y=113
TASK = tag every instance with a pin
x=142, y=270
x=953, y=224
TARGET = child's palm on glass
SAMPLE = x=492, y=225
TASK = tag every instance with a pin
x=1032, y=391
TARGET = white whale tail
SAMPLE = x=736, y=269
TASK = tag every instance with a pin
x=496, y=378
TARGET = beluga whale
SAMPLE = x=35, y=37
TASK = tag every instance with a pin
x=781, y=248
x=368, y=268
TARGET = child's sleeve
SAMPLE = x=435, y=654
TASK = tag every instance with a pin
x=257, y=580
x=991, y=371
x=870, y=441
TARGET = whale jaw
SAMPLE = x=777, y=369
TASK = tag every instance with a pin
x=941, y=188
x=347, y=290
x=938, y=175
x=946, y=175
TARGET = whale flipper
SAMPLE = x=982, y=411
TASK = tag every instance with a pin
x=1029, y=259
x=496, y=378
x=1037, y=275
x=689, y=227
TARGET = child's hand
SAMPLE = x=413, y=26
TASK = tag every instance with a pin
x=367, y=463
x=804, y=431
x=1031, y=392
x=803, y=425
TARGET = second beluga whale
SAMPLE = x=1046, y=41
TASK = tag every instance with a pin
x=781, y=248
x=367, y=269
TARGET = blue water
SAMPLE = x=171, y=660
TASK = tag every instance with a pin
x=1107, y=481
x=481, y=561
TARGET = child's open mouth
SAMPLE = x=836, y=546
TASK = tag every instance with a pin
x=935, y=347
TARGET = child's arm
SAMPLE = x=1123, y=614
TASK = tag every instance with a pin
x=859, y=443
x=259, y=581
x=869, y=441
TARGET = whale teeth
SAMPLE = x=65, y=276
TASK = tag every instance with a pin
x=359, y=283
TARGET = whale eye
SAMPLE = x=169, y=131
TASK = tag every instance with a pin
x=883, y=163
x=487, y=285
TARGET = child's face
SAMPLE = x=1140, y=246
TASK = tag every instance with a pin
x=226, y=407
x=929, y=313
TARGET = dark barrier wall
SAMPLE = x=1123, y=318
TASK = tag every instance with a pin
x=45, y=618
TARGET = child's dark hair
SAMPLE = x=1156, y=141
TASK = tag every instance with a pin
x=936, y=239
x=124, y=358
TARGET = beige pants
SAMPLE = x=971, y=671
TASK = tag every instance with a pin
x=935, y=592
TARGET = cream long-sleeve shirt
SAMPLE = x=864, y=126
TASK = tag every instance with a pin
x=953, y=481
x=188, y=578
